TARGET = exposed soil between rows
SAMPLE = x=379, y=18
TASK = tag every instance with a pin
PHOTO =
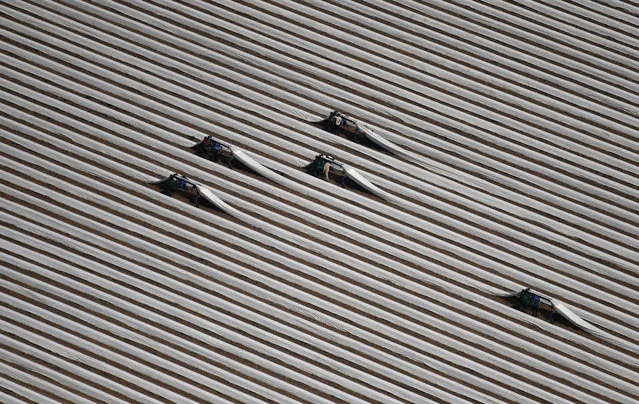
x=304, y=291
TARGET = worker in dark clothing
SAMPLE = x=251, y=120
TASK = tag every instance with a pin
x=529, y=299
x=210, y=149
x=171, y=185
x=315, y=168
x=525, y=299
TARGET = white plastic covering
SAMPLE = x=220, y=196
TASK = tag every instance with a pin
x=307, y=270
x=568, y=314
x=352, y=173
x=23, y=361
x=565, y=311
x=523, y=121
x=298, y=188
x=244, y=158
x=36, y=382
x=207, y=194
x=360, y=180
x=617, y=237
x=486, y=370
x=134, y=173
x=386, y=144
x=337, y=229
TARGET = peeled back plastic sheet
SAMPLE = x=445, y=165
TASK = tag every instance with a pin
x=207, y=194
x=404, y=154
x=248, y=161
x=569, y=315
x=563, y=310
x=385, y=143
x=215, y=200
x=352, y=173
x=251, y=163
x=497, y=293
x=360, y=180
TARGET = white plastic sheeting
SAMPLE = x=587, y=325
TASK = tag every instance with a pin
x=244, y=158
x=235, y=323
x=25, y=350
x=389, y=146
x=352, y=173
x=572, y=233
x=565, y=311
x=22, y=372
x=295, y=294
x=363, y=54
x=14, y=393
x=207, y=194
x=364, y=183
x=360, y=180
x=480, y=224
x=520, y=173
x=70, y=357
x=448, y=287
x=281, y=179
x=120, y=237
x=141, y=356
x=369, y=309
x=288, y=346
x=617, y=238
x=298, y=188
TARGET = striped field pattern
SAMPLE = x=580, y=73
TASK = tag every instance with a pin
x=519, y=125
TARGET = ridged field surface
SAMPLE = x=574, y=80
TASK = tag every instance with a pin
x=518, y=166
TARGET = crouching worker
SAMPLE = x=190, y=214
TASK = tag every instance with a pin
x=528, y=299
x=171, y=185
x=210, y=149
x=316, y=167
x=334, y=121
